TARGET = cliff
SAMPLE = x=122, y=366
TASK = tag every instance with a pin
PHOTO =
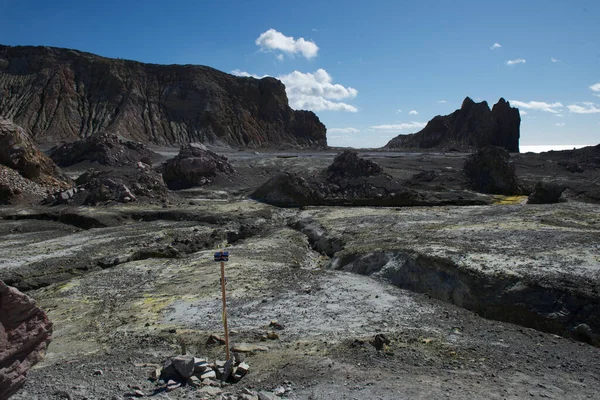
x=473, y=126
x=62, y=95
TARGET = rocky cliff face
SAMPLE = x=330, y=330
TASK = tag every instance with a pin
x=473, y=126
x=25, y=333
x=61, y=94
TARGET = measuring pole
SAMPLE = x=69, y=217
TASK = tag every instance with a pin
x=223, y=256
x=224, y=308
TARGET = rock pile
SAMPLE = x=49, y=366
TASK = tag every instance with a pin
x=104, y=148
x=350, y=180
x=348, y=163
x=25, y=333
x=490, y=170
x=197, y=372
x=123, y=186
x=195, y=165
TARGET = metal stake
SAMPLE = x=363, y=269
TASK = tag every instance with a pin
x=224, y=308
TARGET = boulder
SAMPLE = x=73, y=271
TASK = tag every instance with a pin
x=490, y=170
x=25, y=333
x=18, y=152
x=546, y=193
x=473, y=126
x=105, y=149
x=195, y=165
x=184, y=365
x=348, y=163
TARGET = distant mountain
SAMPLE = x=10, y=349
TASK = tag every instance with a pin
x=62, y=95
x=473, y=126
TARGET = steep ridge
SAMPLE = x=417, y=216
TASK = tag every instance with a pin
x=473, y=126
x=62, y=95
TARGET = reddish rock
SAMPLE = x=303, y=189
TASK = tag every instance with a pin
x=25, y=333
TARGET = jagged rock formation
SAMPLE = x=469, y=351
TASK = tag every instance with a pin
x=473, y=126
x=490, y=170
x=105, y=149
x=25, y=333
x=24, y=170
x=348, y=163
x=195, y=165
x=60, y=94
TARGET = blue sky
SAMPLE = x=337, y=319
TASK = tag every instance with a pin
x=359, y=62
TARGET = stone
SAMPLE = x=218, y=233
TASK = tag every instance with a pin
x=546, y=193
x=239, y=357
x=380, y=341
x=172, y=385
x=214, y=339
x=471, y=127
x=184, y=365
x=272, y=335
x=194, y=381
x=25, y=333
x=348, y=163
x=209, y=375
x=195, y=165
x=248, y=348
x=276, y=325
x=200, y=364
x=242, y=369
x=211, y=390
x=139, y=393
x=279, y=391
x=266, y=396
x=490, y=170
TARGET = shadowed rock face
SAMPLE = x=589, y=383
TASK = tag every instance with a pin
x=25, y=333
x=491, y=171
x=195, y=165
x=473, y=126
x=60, y=94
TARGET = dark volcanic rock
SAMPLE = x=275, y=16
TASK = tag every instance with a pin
x=473, y=126
x=25, y=333
x=60, y=94
x=348, y=163
x=124, y=186
x=195, y=165
x=490, y=171
x=546, y=193
x=105, y=149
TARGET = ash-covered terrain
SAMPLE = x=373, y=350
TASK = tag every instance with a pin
x=479, y=294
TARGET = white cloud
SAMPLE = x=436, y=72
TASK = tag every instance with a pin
x=554, y=60
x=522, y=112
x=553, y=108
x=595, y=87
x=313, y=91
x=587, y=108
x=515, y=62
x=413, y=112
x=399, y=111
x=442, y=101
x=343, y=130
x=238, y=72
x=561, y=124
x=496, y=46
x=400, y=127
x=274, y=40
x=280, y=57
